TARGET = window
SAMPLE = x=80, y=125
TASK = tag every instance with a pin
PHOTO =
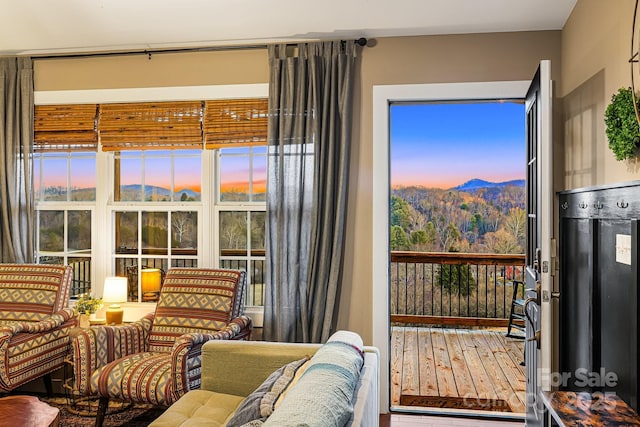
x=176, y=192
x=157, y=228
x=65, y=238
x=243, y=174
x=64, y=185
x=239, y=132
x=64, y=165
x=241, y=214
x=157, y=176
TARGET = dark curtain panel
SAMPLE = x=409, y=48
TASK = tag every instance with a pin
x=16, y=141
x=310, y=103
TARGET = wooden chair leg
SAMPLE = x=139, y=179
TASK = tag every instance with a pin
x=48, y=384
x=102, y=411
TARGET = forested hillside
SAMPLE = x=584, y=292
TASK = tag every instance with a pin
x=487, y=219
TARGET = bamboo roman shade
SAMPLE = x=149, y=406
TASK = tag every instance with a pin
x=150, y=126
x=235, y=122
x=65, y=128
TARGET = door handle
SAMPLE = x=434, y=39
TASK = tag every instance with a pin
x=536, y=260
x=537, y=338
x=526, y=312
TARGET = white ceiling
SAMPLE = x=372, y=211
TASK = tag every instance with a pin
x=31, y=27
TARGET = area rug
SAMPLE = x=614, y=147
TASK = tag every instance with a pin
x=475, y=404
x=133, y=416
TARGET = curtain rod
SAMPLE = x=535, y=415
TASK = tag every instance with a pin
x=362, y=41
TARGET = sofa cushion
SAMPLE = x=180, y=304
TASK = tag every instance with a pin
x=327, y=387
x=202, y=408
x=32, y=292
x=261, y=403
x=145, y=377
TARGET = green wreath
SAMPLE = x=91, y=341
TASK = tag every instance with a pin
x=623, y=130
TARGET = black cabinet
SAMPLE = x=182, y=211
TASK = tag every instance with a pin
x=599, y=322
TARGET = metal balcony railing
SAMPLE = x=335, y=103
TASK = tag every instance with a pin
x=230, y=258
x=450, y=288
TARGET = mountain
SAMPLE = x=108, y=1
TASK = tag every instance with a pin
x=157, y=191
x=476, y=184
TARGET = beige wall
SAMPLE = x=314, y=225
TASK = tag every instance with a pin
x=595, y=53
x=416, y=60
x=435, y=59
x=138, y=71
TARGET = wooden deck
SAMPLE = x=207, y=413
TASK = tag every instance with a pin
x=477, y=367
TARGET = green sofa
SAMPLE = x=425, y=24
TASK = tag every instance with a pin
x=233, y=370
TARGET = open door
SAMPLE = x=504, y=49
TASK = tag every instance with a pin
x=539, y=208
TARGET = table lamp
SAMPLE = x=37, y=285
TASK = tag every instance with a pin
x=115, y=292
x=150, y=282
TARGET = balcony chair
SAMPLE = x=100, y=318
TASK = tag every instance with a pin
x=157, y=359
x=34, y=322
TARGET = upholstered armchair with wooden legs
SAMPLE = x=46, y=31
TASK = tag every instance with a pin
x=157, y=359
x=34, y=322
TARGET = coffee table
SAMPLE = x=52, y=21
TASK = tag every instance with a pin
x=27, y=411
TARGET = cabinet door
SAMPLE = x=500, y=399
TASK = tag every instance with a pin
x=576, y=308
x=617, y=295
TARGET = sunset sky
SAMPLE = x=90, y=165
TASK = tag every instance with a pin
x=234, y=173
x=442, y=145
x=439, y=145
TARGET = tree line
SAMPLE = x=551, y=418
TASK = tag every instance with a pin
x=486, y=220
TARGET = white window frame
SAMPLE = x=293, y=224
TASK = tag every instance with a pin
x=64, y=206
x=102, y=225
x=237, y=206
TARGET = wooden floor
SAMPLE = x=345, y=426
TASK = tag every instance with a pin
x=403, y=420
x=480, y=366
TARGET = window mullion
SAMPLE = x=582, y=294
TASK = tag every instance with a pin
x=102, y=225
x=69, y=189
x=251, y=151
x=65, y=234
x=207, y=236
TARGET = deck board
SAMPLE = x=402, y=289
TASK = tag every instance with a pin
x=460, y=363
x=461, y=374
x=512, y=372
x=396, y=348
x=510, y=368
x=444, y=372
x=428, y=381
x=481, y=381
x=410, y=368
x=514, y=348
x=496, y=373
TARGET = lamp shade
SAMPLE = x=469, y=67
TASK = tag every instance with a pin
x=151, y=280
x=115, y=290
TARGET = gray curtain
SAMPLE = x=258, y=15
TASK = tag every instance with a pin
x=16, y=141
x=310, y=108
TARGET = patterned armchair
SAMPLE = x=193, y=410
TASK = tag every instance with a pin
x=157, y=359
x=34, y=322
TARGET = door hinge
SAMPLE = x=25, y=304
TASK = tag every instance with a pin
x=545, y=266
x=546, y=296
